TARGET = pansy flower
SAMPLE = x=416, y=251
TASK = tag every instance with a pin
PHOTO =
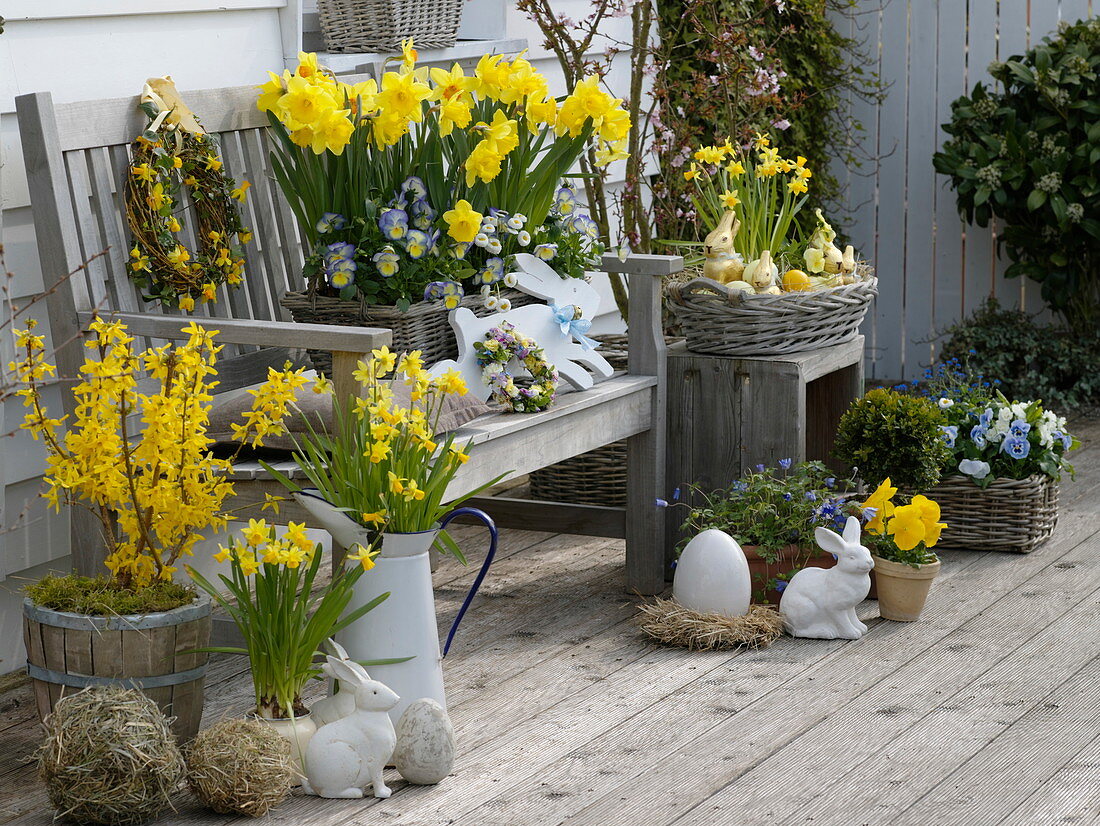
x=417, y=244
x=950, y=434
x=423, y=214
x=331, y=222
x=565, y=201
x=493, y=271
x=387, y=262
x=546, y=252
x=415, y=186
x=978, y=436
x=394, y=223
x=1019, y=428
x=1017, y=447
x=434, y=291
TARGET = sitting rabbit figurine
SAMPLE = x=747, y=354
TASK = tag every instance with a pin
x=344, y=756
x=722, y=264
x=820, y=603
x=342, y=702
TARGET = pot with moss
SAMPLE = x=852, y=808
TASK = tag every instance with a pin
x=81, y=631
x=772, y=513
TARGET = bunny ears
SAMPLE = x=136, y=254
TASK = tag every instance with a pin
x=343, y=667
x=836, y=544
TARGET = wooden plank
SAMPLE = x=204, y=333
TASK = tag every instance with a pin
x=948, y=262
x=920, y=185
x=109, y=215
x=1049, y=734
x=559, y=517
x=935, y=713
x=890, y=229
x=258, y=331
x=1067, y=797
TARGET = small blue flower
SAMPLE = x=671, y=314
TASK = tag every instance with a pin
x=830, y=482
x=1067, y=440
x=986, y=418
x=867, y=514
x=661, y=503
x=415, y=186
x=780, y=585
x=331, y=222
x=759, y=468
x=394, y=223
x=787, y=497
x=811, y=496
x=1019, y=428
x=950, y=434
x=901, y=387
x=340, y=250
x=1017, y=447
x=978, y=436
x=785, y=464
x=676, y=495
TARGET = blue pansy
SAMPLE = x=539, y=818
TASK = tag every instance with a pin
x=331, y=222
x=434, y=291
x=1017, y=447
x=977, y=435
x=415, y=186
x=417, y=244
x=394, y=223
x=1067, y=440
x=386, y=262
x=1019, y=428
x=950, y=434
x=986, y=419
x=492, y=272
x=423, y=215
x=780, y=585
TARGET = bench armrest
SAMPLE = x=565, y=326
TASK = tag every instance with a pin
x=645, y=332
x=260, y=333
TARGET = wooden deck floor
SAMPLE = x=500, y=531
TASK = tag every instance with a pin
x=985, y=712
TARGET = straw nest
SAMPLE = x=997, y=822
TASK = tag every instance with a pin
x=672, y=624
x=240, y=767
x=109, y=757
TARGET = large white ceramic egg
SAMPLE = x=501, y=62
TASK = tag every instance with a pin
x=712, y=576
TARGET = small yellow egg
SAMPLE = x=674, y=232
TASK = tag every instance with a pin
x=795, y=281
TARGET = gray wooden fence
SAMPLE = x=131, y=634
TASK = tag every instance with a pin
x=933, y=269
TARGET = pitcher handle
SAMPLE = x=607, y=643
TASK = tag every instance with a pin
x=486, y=520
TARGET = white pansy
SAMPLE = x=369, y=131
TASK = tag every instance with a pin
x=974, y=467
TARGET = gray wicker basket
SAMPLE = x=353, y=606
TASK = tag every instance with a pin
x=1016, y=515
x=424, y=326
x=381, y=25
x=724, y=322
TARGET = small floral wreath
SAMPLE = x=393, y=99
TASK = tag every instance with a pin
x=164, y=159
x=501, y=345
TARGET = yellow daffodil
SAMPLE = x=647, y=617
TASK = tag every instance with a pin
x=730, y=199
x=797, y=186
x=143, y=172
x=240, y=193
x=691, y=173
x=463, y=222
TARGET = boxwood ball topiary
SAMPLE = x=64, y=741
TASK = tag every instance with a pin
x=886, y=434
x=109, y=757
x=240, y=767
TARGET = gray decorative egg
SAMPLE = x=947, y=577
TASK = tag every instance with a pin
x=425, y=751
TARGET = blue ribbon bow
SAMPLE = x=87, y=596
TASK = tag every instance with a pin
x=570, y=325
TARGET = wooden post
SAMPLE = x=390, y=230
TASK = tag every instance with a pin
x=646, y=551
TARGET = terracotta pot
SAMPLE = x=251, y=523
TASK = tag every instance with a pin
x=903, y=589
x=791, y=558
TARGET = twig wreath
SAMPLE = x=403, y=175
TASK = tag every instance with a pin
x=501, y=345
x=173, y=153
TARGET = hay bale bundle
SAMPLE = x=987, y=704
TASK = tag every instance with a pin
x=109, y=757
x=240, y=767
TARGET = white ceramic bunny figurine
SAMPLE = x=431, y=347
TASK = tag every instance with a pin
x=820, y=603
x=346, y=756
x=342, y=702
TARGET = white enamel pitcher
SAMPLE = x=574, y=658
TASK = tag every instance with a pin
x=401, y=631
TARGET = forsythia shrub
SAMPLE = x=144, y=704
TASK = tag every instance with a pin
x=141, y=461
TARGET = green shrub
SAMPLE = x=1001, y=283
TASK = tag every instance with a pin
x=890, y=434
x=102, y=596
x=1027, y=361
x=1026, y=152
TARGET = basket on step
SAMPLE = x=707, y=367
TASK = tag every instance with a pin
x=1016, y=515
x=424, y=326
x=381, y=25
x=723, y=322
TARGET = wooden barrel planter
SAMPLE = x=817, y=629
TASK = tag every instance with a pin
x=67, y=652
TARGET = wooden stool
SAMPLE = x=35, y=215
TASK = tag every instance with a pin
x=726, y=415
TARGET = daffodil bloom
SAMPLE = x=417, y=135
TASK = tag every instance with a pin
x=213, y=163
x=463, y=222
x=797, y=186
x=730, y=199
x=240, y=193
x=140, y=262
x=143, y=172
x=374, y=517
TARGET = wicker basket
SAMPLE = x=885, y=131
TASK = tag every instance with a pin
x=381, y=25
x=424, y=326
x=1015, y=515
x=724, y=322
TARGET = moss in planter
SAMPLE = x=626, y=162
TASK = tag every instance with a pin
x=102, y=596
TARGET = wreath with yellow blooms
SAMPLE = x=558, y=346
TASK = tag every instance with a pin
x=175, y=167
x=503, y=344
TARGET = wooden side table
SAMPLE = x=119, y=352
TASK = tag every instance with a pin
x=726, y=415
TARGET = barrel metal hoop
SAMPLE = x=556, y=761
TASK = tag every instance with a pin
x=138, y=622
x=46, y=675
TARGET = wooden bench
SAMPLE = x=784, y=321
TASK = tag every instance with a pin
x=76, y=157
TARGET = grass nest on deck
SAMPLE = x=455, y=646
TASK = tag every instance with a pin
x=670, y=623
x=109, y=757
x=240, y=767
